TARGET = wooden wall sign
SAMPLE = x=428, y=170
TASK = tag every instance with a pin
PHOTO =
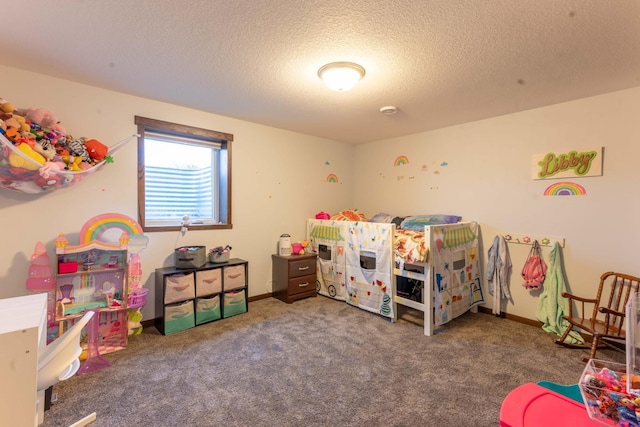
x=571, y=164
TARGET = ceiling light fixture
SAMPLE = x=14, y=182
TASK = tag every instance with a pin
x=341, y=76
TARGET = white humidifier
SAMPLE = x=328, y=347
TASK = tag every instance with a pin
x=284, y=245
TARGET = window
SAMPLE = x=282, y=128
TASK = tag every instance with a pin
x=183, y=170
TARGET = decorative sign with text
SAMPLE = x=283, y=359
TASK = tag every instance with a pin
x=572, y=164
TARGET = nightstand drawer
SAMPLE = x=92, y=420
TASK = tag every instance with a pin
x=302, y=267
x=302, y=284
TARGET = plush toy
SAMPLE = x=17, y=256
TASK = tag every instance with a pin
x=49, y=167
x=6, y=106
x=73, y=163
x=76, y=148
x=19, y=161
x=12, y=122
x=45, y=149
x=24, y=126
x=47, y=182
x=25, y=138
x=11, y=132
x=96, y=149
x=42, y=117
x=297, y=249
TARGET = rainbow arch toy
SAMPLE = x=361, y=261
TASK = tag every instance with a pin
x=95, y=227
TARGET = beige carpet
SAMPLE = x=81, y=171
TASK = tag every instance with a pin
x=318, y=362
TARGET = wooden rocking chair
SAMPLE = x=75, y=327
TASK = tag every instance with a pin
x=605, y=323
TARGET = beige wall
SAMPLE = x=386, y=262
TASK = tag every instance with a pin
x=488, y=179
x=279, y=180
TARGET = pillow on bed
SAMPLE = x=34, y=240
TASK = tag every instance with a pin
x=349, y=215
x=417, y=223
x=381, y=217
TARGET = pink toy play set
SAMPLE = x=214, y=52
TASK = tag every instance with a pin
x=102, y=274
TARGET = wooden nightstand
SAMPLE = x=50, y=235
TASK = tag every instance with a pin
x=294, y=277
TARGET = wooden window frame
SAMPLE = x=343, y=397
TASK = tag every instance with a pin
x=225, y=139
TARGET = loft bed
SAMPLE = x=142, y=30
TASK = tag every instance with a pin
x=375, y=266
x=451, y=274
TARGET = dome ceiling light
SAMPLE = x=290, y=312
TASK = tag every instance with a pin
x=341, y=76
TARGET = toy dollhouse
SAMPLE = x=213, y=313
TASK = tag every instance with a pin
x=94, y=275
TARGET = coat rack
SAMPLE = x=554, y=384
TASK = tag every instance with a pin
x=528, y=239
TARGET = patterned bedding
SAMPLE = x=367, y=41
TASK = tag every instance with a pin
x=410, y=246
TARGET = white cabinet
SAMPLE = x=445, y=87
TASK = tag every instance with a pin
x=23, y=328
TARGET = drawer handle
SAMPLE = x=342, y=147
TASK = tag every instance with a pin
x=302, y=285
x=303, y=268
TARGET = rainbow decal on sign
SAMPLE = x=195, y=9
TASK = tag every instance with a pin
x=332, y=178
x=401, y=160
x=94, y=228
x=565, y=189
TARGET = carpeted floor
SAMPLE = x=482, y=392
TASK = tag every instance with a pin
x=318, y=362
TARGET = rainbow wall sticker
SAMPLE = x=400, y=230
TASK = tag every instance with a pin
x=565, y=189
x=332, y=178
x=401, y=161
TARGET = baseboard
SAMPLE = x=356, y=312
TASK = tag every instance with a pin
x=259, y=297
x=513, y=317
x=485, y=310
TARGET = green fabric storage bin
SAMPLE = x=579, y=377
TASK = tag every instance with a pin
x=207, y=309
x=234, y=303
x=178, y=317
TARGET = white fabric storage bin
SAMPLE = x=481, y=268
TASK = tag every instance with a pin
x=178, y=317
x=207, y=309
x=235, y=302
x=179, y=287
x=234, y=277
x=208, y=282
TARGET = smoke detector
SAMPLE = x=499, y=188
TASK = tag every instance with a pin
x=389, y=110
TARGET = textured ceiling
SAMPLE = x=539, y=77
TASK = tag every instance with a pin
x=440, y=62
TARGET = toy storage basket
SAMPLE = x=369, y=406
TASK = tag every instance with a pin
x=179, y=287
x=190, y=257
x=208, y=309
x=219, y=258
x=137, y=298
x=602, y=386
x=632, y=341
x=208, y=282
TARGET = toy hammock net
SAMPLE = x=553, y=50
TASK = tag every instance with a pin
x=30, y=176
